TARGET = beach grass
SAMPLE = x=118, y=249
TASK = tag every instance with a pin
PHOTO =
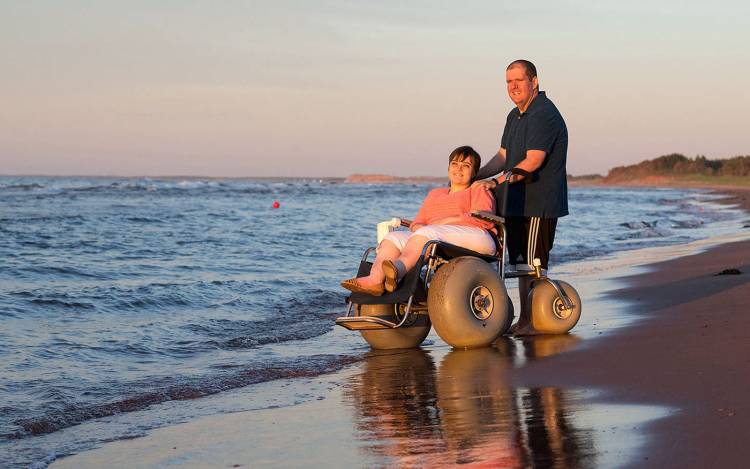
x=704, y=179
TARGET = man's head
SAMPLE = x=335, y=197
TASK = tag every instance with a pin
x=523, y=84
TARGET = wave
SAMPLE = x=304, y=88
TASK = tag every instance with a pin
x=42, y=219
x=645, y=233
x=144, y=220
x=638, y=225
x=687, y=224
x=293, y=319
x=59, y=270
x=275, y=331
x=179, y=389
x=139, y=302
x=151, y=185
x=73, y=188
x=23, y=187
x=61, y=303
x=561, y=255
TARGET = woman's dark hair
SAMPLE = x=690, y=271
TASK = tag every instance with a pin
x=467, y=153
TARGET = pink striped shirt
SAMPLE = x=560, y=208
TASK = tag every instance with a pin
x=439, y=203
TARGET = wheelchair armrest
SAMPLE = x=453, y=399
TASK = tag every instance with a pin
x=449, y=251
x=488, y=216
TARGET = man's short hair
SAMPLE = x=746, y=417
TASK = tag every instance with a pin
x=467, y=153
x=528, y=67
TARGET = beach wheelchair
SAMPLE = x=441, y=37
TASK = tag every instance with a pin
x=462, y=294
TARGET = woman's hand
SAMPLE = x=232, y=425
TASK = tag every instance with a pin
x=415, y=226
x=486, y=184
x=489, y=184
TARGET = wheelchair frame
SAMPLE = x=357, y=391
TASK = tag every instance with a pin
x=432, y=260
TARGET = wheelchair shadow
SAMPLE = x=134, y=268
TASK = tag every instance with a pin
x=408, y=411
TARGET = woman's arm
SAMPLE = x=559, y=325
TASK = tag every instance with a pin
x=479, y=200
x=482, y=200
x=420, y=219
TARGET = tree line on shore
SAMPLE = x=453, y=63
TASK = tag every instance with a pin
x=677, y=165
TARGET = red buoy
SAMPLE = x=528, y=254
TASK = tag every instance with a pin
x=276, y=204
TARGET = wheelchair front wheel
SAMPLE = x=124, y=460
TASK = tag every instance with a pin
x=410, y=335
x=548, y=312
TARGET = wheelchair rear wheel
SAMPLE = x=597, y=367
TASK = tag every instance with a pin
x=409, y=335
x=468, y=303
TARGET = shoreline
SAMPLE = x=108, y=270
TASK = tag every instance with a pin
x=589, y=365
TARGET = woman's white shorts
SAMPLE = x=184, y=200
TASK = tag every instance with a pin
x=469, y=237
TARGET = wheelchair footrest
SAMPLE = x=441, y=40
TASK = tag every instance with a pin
x=363, y=323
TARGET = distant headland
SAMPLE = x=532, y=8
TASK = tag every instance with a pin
x=668, y=170
x=676, y=169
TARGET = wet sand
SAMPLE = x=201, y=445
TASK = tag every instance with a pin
x=430, y=407
x=690, y=352
x=668, y=390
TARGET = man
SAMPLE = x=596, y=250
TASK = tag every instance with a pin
x=535, y=139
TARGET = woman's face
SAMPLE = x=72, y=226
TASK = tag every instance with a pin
x=460, y=171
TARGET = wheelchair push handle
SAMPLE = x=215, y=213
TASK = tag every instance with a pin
x=521, y=172
x=501, y=194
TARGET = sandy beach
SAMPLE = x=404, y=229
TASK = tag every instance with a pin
x=185, y=193
x=689, y=351
x=658, y=379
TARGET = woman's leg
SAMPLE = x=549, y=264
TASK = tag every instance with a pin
x=410, y=254
x=386, y=251
x=472, y=238
x=403, y=250
x=395, y=269
x=469, y=237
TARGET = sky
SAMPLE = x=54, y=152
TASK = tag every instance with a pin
x=330, y=88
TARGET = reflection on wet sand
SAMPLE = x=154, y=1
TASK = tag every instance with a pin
x=408, y=413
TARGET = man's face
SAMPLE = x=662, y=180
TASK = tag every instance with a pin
x=520, y=88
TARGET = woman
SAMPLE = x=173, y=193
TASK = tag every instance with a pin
x=444, y=216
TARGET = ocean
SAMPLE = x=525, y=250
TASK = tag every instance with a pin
x=124, y=300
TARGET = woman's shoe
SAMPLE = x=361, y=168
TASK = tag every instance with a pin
x=391, y=276
x=353, y=285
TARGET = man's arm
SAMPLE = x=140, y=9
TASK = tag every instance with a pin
x=491, y=168
x=532, y=162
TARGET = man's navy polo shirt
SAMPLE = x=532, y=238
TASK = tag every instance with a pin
x=541, y=127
